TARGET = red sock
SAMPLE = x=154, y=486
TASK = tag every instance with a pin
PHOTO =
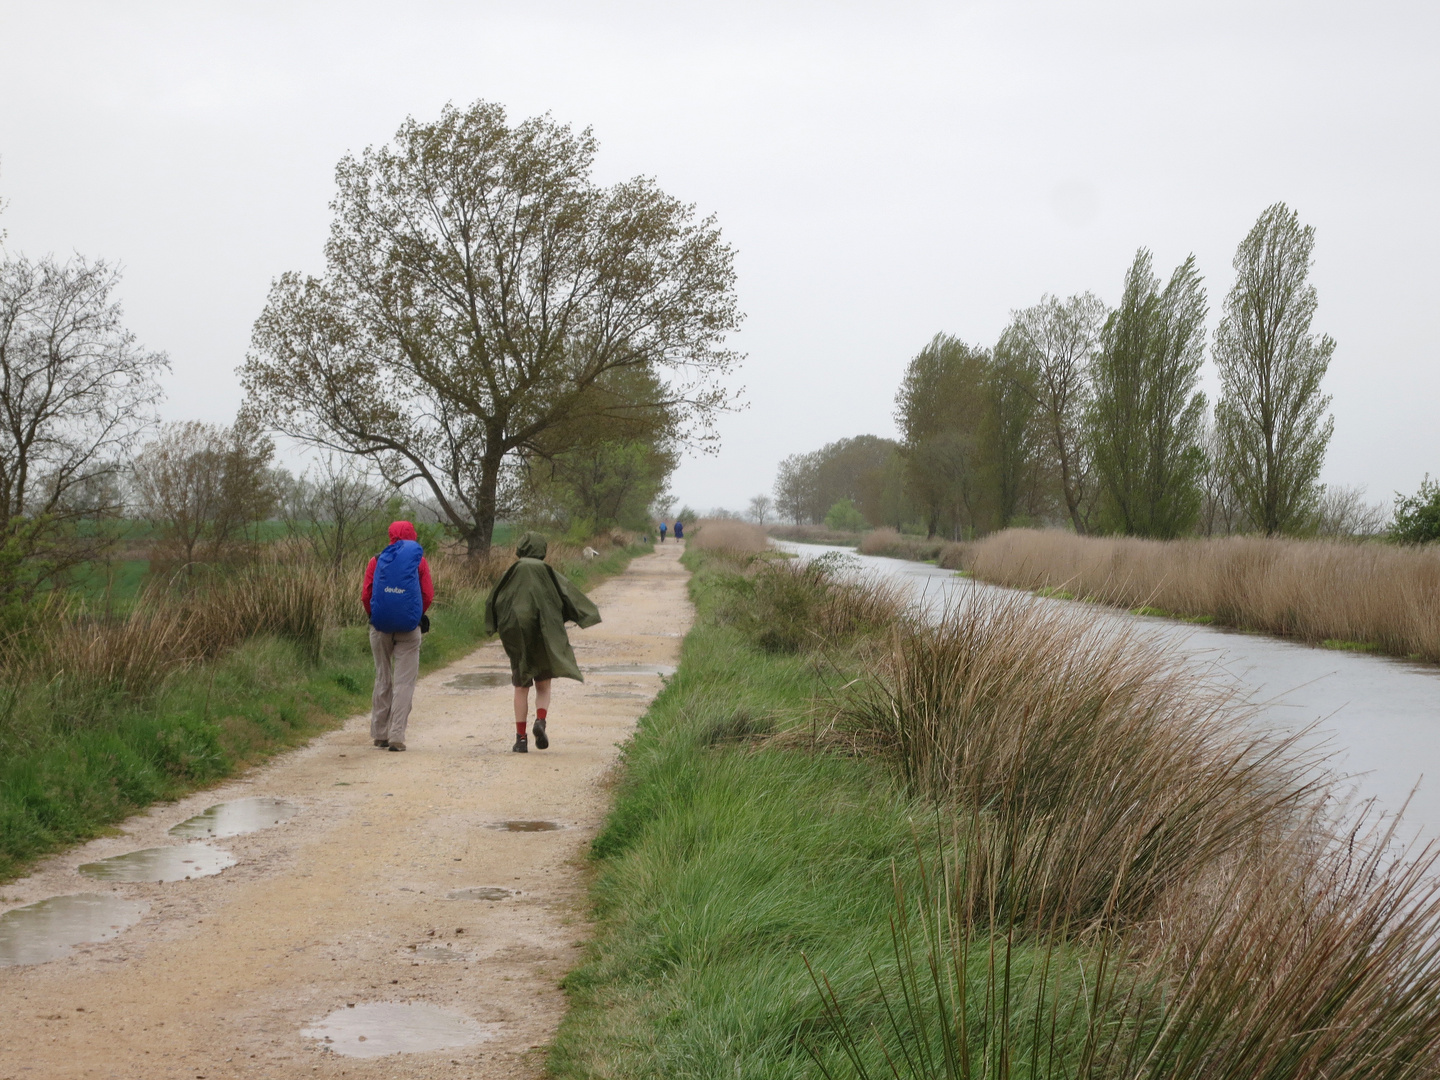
x=520, y=729
x=539, y=714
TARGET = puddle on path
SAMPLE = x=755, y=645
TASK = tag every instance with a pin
x=479, y=680
x=161, y=864
x=437, y=952
x=375, y=1029
x=617, y=694
x=630, y=669
x=48, y=930
x=236, y=818
x=481, y=892
x=524, y=826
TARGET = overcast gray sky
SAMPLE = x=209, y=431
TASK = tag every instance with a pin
x=885, y=171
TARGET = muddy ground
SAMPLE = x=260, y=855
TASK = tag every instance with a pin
x=345, y=907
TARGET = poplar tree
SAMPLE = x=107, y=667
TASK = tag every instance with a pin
x=1145, y=417
x=1271, y=419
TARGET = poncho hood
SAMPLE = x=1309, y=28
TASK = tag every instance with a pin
x=402, y=530
x=532, y=545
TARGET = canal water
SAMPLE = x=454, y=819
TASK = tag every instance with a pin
x=1380, y=716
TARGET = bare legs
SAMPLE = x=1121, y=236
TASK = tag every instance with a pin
x=522, y=699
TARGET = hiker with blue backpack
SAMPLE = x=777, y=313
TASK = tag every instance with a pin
x=396, y=594
x=679, y=530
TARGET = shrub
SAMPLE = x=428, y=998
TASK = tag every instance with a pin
x=1417, y=517
x=844, y=516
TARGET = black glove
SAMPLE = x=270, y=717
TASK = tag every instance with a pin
x=424, y=623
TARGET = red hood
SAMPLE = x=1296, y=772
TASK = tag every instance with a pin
x=402, y=530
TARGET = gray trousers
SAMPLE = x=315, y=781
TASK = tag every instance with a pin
x=397, y=666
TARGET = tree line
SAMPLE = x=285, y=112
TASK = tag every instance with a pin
x=1091, y=417
x=495, y=335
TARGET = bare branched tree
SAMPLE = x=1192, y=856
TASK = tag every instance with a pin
x=201, y=486
x=760, y=509
x=75, y=393
x=337, y=510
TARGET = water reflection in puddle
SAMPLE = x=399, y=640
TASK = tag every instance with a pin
x=378, y=1028
x=481, y=892
x=50, y=929
x=479, y=680
x=236, y=818
x=437, y=952
x=631, y=669
x=161, y=864
x=524, y=826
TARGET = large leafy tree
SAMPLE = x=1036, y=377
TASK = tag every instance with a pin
x=1055, y=341
x=482, y=294
x=941, y=409
x=1145, y=418
x=1271, y=417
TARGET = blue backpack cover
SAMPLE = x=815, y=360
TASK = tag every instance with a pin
x=395, y=601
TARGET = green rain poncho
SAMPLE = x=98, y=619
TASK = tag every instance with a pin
x=529, y=608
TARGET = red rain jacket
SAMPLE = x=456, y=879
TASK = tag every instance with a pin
x=400, y=530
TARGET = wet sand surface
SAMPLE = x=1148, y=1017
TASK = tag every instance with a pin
x=338, y=923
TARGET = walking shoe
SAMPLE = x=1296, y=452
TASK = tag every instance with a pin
x=520, y=746
x=382, y=743
x=541, y=742
x=397, y=746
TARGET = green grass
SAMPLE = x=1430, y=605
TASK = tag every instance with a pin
x=74, y=759
x=730, y=859
x=719, y=866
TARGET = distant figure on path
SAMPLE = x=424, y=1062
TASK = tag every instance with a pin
x=528, y=608
x=679, y=530
x=396, y=594
x=662, y=532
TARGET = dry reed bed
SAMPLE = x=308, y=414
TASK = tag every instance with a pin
x=726, y=534
x=1314, y=590
x=896, y=545
x=178, y=622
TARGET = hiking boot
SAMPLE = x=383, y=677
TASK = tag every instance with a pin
x=382, y=743
x=541, y=742
x=520, y=747
x=397, y=746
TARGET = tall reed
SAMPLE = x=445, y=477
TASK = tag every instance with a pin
x=717, y=534
x=1139, y=884
x=1316, y=590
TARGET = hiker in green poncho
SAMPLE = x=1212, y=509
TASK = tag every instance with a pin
x=529, y=608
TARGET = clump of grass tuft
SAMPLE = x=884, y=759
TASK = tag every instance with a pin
x=1101, y=770
x=788, y=606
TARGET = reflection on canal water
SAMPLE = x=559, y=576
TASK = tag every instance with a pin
x=1380, y=715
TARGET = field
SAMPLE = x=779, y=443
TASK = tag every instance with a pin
x=842, y=840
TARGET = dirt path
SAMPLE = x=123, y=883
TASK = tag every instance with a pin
x=346, y=904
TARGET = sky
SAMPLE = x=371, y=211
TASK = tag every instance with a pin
x=885, y=171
